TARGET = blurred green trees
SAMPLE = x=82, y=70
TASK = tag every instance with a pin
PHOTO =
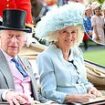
x=100, y=1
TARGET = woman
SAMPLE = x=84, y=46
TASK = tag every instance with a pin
x=103, y=10
x=61, y=66
x=87, y=26
x=87, y=20
x=97, y=21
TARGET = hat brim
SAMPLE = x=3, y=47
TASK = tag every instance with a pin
x=26, y=29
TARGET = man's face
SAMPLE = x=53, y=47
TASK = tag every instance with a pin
x=12, y=41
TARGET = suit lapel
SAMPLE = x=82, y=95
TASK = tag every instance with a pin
x=4, y=68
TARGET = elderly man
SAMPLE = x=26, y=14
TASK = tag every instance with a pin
x=17, y=82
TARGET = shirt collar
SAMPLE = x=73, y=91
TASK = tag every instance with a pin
x=71, y=56
x=61, y=55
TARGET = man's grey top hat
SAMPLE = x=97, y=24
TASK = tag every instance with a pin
x=14, y=19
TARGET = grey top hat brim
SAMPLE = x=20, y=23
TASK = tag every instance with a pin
x=27, y=29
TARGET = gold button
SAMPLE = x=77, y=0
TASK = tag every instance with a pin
x=7, y=5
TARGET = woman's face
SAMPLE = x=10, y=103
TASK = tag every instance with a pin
x=98, y=11
x=68, y=36
x=88, y=12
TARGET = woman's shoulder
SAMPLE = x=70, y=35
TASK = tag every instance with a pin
x=77, y=52
x=94, y=17
x=85, y=18
x=49, y=52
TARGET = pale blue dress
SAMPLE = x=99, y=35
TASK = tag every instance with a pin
x=59, y=77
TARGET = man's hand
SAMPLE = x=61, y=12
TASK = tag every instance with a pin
x=16, y=98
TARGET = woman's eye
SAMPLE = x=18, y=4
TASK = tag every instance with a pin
x=64, y=31
x=72, y=32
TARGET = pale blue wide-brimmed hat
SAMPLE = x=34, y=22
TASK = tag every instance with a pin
x=68, y=15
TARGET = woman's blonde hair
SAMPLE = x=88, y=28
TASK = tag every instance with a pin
x=53, y=36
